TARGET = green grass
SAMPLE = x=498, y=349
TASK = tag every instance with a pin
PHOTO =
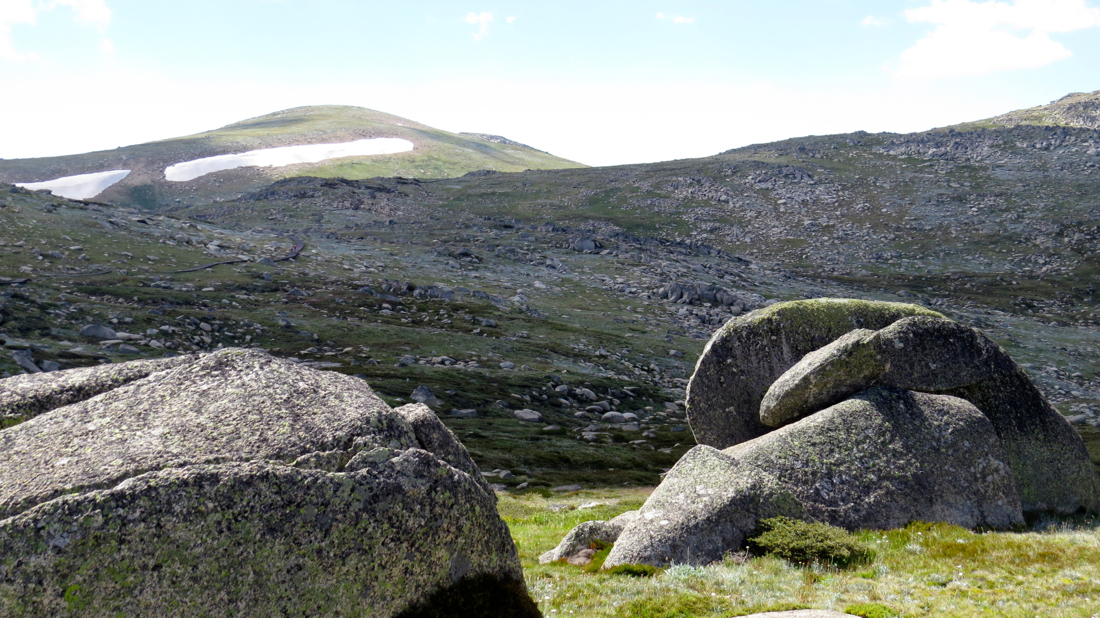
x=921, y=570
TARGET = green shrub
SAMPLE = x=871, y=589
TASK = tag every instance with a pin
x=808, y=543
x=871, y=610
x=634, y=570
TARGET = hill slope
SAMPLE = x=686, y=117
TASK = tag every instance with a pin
x=495, y=289
x=435, y=154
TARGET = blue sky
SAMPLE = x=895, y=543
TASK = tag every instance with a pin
x=601, y=82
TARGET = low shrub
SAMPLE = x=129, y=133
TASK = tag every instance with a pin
x=808, y=543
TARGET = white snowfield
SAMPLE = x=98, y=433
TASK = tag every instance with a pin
x=79, y=187
x=286, y=155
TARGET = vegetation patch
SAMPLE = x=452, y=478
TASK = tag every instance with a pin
x=809, y=543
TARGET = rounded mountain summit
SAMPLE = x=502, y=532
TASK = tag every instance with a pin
x=326, y=141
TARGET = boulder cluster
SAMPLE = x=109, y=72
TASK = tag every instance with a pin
x=864, y=415
x=235, y=483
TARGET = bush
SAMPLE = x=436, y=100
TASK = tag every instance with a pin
x=871, y=610
x=808, y=543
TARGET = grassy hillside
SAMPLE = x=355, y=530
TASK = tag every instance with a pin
x=437, y=154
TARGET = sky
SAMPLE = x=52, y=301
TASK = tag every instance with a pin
x=602, y=82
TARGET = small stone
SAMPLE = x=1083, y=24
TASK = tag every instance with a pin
x=96, y=331
x=126, y=348
x=507, y=365
x=529, y=415
x=565, y=488
x=464, y=413
x=615, y=418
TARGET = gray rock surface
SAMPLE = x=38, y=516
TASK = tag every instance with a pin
x=96, y=331
x=240, y=484
x=423, y=394
x=885, y=457
x=705, y=507
x=25, y=359
x=532, y=416
x=26, y=396
x=433, y=436
x=1049, y=460
x=745, y=357
x=586, y=533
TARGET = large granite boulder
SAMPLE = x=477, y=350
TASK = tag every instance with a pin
x=1049, y=461
x=746, y=355
x=26, y=396
x=707, y=504
x=877, y=460
x=240, y=484
x=885, y=457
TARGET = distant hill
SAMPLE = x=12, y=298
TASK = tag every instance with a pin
x=1079, y=110
x=434, y=154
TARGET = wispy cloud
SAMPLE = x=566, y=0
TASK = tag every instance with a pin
x=871, y=20
x=510, y=19
x=676, y=19
x=13, y=12
x=480, y=19
x=91, y=12
x=972, y=38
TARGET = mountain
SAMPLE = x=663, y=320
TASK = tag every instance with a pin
x=500, y=291
x=423, y=152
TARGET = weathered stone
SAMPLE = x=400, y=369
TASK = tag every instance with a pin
x=885, y=457
x=585, y=534
x=25, y=359
x=532, y=416
x=433, y=436
x=613, y=417
x=24, y=397
x=423, y=394
x=1048, y=459
x=96, y=331
x=706, y=506
x=746, y=355
x=242, y=484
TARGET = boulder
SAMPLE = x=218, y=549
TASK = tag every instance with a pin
x=241, y=484
x=25, y=360
x=746, y=355
x=585, y=534
x=26, y=396
x=886, y=457
x=532, y=416
x=423, y=394
x=96, y=331
x=707, y=504
x=1048, y=459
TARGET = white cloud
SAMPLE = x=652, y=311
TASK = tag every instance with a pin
x=90, y=12
x=482, y=19
x=510, y=19
x=871, y=20
x=677, y=19
x=106, y=46
x=972, y=38
x=13, y=12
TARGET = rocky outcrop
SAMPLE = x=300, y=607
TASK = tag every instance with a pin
x=1050, y=463
x=242, y=484
x=750, y=352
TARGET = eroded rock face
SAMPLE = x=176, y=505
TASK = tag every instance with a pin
x=1051, y=466
x=886, y=457
x=240, y=484
x=747, y=355
x=706, y=506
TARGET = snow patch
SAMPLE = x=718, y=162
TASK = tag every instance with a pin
x=79, y=187
x=285, y=155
